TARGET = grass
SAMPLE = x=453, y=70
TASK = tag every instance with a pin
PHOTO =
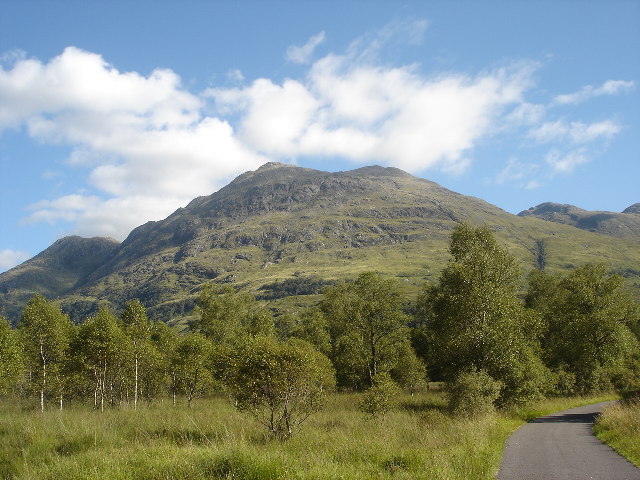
x=416, y=440
x=619, y=427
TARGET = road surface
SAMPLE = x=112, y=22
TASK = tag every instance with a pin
x=562, y=446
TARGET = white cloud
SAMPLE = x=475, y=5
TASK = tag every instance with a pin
x=527, y=114
x=235, y=76
x=610, y=87
x=515, y=170
x=149, y=148
x=576, y=132
x=11, y=258
x=367, y=113
x=304, y=53
x=565, y=162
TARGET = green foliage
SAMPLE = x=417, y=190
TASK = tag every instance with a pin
x=165, y=341
x=11, y=359
x=226, y=316
x=381, y=396
x=280, y=384
x=45, y=332
x=473, y=319
x=191, y=365
x=409, y=371
x=588, y=315
x=473, y=393
x=367, y=327
x=102, y=350
x=309, y=325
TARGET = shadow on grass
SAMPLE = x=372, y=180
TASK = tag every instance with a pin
x=424, y=406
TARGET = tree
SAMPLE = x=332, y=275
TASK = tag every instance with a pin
x=45, y=332
x=138, y=328
x=280, y=384
x=191, y=361
x=309, y=325
x=166, y=340
x=226, y=316
x=588, y=316
x=409, y=371
x=477, y=323
x=103, y=349
x=11, y=361
x=366, y=325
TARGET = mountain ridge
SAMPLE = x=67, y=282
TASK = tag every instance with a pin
x=623, y=225
x=284, y=222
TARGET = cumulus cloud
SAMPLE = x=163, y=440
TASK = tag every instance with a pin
x=610, y=87
x=148, y=145
x=367, y=113
x=302, y=54
x=10, y=258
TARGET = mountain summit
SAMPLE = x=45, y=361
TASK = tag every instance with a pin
x=284, y=225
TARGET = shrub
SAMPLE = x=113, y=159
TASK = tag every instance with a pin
x=565, y=382
x=379, y=399
x=280, y=384
x=473, y=393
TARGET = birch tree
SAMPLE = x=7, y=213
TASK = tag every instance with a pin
x=138, y=329
x=103, y=350
x=45, y=331
x=476, y=321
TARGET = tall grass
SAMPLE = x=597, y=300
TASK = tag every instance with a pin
x=418, y=439
x=619, y=427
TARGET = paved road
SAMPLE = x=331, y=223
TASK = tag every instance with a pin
x=562, y=447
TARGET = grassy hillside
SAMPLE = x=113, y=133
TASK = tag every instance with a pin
x=283, y=222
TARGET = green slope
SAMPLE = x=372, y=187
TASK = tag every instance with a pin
x=283, y=222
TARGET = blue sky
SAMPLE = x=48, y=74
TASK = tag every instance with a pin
x=116, y=113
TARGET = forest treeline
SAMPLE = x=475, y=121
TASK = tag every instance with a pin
x=570, y=333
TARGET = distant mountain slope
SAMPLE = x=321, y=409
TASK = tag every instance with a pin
x=288, y=227
x=622, y=225
x=53, y=272
x=635, y=208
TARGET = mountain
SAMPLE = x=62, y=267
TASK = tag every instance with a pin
x=289, y=230
x=54, y=272
x=622, y=225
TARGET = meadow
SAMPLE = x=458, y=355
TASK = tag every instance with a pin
x=619, y=427
x=417, y=439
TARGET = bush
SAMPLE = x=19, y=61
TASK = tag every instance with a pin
x=280, y=384
x=565, y=382
x=378, y=400
x=473, y=393
x=631, y=394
